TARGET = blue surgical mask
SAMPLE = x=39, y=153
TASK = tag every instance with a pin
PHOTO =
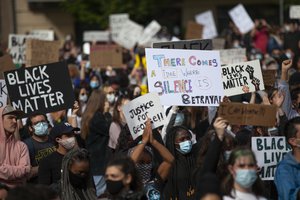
x=185, y=147
x=94, y=84
x=41, y=129
x=245, y=177
x=179, y=119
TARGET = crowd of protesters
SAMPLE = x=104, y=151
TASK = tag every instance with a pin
x=87, y=152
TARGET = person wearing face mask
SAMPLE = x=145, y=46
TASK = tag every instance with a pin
x=152, y=177
x=63, y=136
x=122, y=180
x=287, y=175
x=76, y=182
x=39, y=144
x=95, y=82
x=243, y=181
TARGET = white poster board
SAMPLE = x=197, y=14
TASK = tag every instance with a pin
x=3, y=93
x=149, y=32
x=43, y=34
x=96, y=36
x=185, y=77
x=230, y=56
x=295, y=12
x=207, y=20
x=116, y=22
x=241, y=19
x=242, y=78
x=17, y=47
x=269, y=151
x=138, y=110
x=129, y=34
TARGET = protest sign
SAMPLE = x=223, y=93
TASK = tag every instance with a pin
x=17, y=47
x=218, y=43
x=269, y=77
x=269, y=151
x=207, y=20
x=43, y=34
x=3, y=93
x=185, y=44
x=149, y=32
x=248, y=114
x=130, y=33
x=185, y=77
x=230, y=56
x=96, y=36
x=6, y=63
x=193, y=30
x=46, y=88
x=295, y=12
x=116, y=22
x=138, y=110
x=40, y=52
x=242, y=78
x=103, y=55
x=241, y=19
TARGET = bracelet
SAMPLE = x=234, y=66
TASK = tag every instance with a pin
x=141, y=142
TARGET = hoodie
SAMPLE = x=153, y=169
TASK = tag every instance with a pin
x=14, y=158
x=287, y=178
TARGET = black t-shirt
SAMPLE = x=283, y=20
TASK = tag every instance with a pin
x=50, y=169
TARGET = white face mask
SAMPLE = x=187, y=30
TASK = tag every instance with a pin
x=83, y=98
x=110, y=98
x=68, y=143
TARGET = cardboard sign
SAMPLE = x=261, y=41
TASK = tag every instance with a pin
x=138, y=110
x=46, y=88
x=269, y=151
x=116, y=22
x=130, y=33
x=149, y=32
x=241, y=19
x=96, y=36
x=39, y=52
x=242, y=78
x=193, y=30
x=6, y=63
x=185, y=77
x=43, y=34
x=3, y=93
x=17, y=47
x=185, y=44
x=269, y=77
x=230, y=56
x=218, y=43
x=207, y=20
x=248, y=114
x=104, y=55
x=295, y=12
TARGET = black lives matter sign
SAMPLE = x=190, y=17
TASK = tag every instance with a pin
x=46, y=88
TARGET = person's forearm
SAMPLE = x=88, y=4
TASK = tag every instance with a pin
x=137, y=151
x=284, y=75
x=163, y=151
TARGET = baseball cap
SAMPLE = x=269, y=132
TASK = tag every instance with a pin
x=61, y=129
x=12, y=111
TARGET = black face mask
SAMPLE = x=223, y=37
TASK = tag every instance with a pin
x=77, y=181
x=114, y=187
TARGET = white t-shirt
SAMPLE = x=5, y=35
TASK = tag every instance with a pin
x=238, y=195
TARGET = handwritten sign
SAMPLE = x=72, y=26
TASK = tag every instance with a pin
x=17, y=47
x=185, y=77
x=103, y=55
x=129, y=34
x=116, y=22
x=269, y=77
x=269, y=151
x=43, y=34
x=295, y=12
x=230, y=56
x=248, y=114
x=3, y=93
x=242, y=78
x=241, y=19
x=193, y=30
x=138, y=110
x=149, y=32
x=185, y=44
x=46, y=88
x=96, y=36
x=6, y=63
x=207, y=20
x=39, y=52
